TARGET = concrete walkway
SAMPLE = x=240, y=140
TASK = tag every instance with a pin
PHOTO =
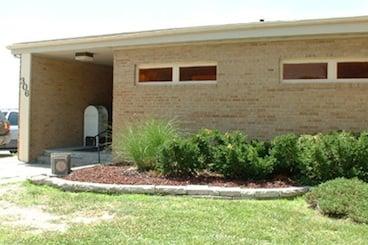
x=11, y=169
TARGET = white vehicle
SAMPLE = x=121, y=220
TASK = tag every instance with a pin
x=4, y=130
x=12, y=116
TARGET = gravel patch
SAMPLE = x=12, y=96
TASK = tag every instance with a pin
x=35, y=219
x=8, y=188
x=32, y=218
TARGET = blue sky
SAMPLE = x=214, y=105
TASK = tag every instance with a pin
x=22, y=20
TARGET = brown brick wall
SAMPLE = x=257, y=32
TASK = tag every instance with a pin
x=248, y=95
x=60, y=91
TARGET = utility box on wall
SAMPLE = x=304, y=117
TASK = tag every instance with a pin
x=95, y=125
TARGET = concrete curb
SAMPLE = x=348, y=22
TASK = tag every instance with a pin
x=190, y=190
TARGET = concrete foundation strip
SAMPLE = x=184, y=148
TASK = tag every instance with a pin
x=191, y=190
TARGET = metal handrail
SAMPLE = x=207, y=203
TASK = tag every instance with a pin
x=99, y=145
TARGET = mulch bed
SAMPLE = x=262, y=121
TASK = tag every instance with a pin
x=109, y=174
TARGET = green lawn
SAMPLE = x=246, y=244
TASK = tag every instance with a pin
x=141, y=219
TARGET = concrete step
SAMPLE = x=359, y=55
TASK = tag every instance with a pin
x=43, y=159
x=78, y=158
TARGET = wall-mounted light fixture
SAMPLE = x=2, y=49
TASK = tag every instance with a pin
x=84, y=56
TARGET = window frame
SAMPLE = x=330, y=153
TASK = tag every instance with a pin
x=153, y=66
x=365, y=79
x=331, y=70
x=176, y=73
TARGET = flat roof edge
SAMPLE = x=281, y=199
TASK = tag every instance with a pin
x=332, y=26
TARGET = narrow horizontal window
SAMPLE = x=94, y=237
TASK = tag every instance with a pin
x=352, y=70
x=198, y=73
x=156, y=74
x=305, y=71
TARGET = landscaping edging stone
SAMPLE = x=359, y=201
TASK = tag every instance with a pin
x=191, y=190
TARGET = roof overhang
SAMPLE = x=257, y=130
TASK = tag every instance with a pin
x=230, y=32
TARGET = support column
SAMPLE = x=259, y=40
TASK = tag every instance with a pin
x=24, y=108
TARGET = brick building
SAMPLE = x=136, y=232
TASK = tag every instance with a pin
x=265, y=78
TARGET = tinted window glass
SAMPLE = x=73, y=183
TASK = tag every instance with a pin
x=13, y=118
x=305, y=71
x=198, y=73
x=352, y=70
x=155, y=75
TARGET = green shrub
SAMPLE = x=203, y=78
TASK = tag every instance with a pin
x=142, y=142
x=263, y=147
x=208, y=141
x=285, y=150
x=325, y=157
x=310, y=159
x=239, y=159
x=341, y=198
x=361, y=156
x=179, y=157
